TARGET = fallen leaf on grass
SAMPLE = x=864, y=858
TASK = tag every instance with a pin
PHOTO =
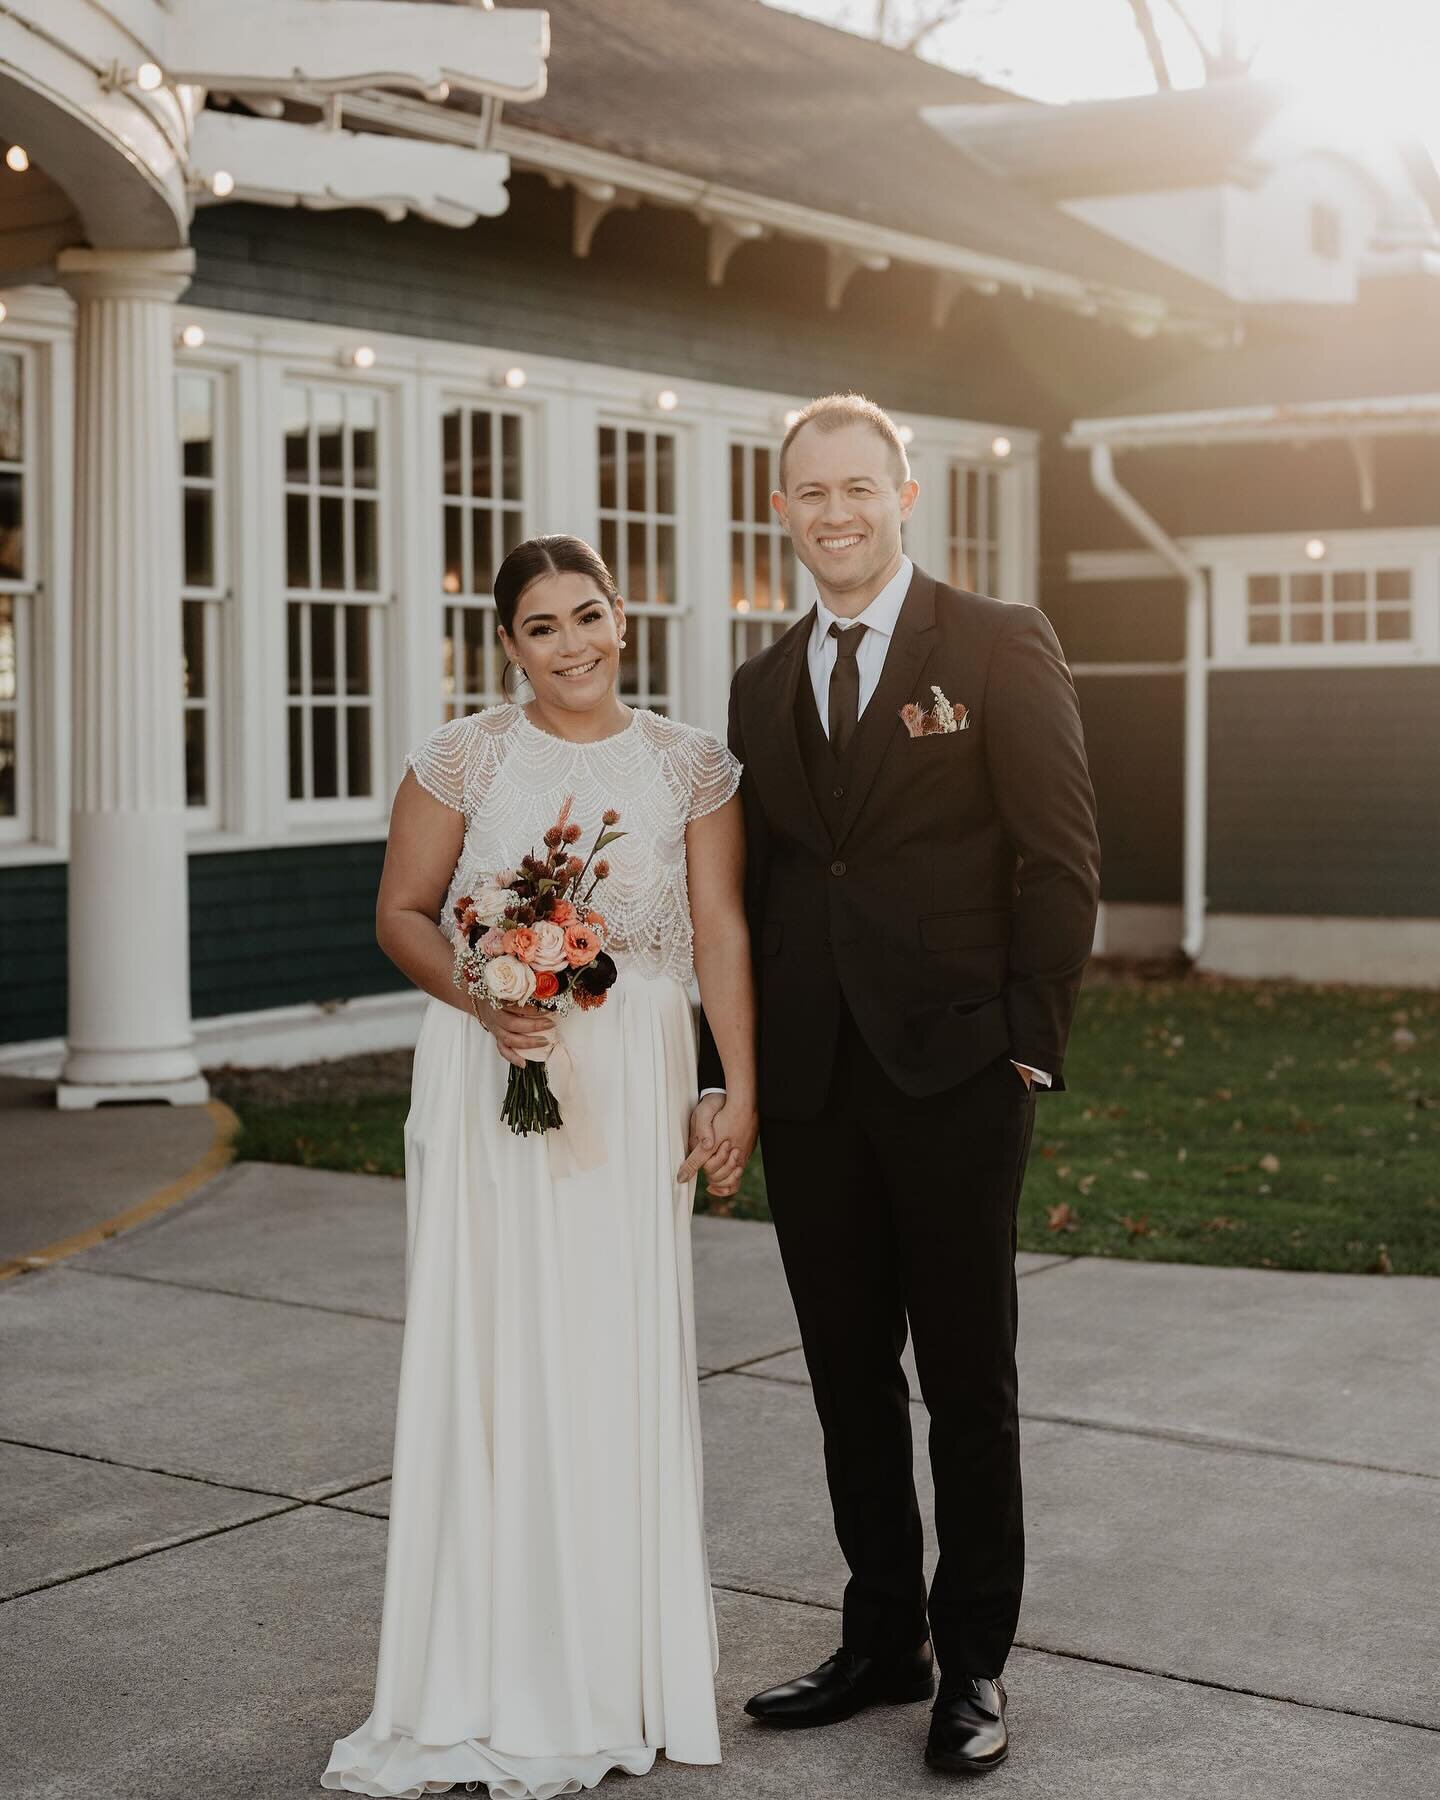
x=1085, y=1183
x=1061, y=1217
x=1221, y=1223
x=1270, y=1163
x=1140, y=1227
x=1381, y=1264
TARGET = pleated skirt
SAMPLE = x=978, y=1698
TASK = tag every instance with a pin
x=547, y=1610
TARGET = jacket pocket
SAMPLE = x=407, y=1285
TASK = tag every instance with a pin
x=965, y=930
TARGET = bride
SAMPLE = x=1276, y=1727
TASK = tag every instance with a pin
x=547, y=1612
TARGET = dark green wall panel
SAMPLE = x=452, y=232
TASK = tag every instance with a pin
x=1323, y=792
x=267, y=928
x=1134, y=742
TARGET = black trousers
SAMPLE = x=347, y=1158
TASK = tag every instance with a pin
x=891, y=1210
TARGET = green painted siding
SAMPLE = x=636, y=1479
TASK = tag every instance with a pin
x=1323, y=786
x=267, y=928
x=1134, y=741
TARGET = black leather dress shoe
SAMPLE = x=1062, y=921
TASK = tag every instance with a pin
x=967, y=1727
x=843, y=1684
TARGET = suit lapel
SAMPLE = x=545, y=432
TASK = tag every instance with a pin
x=788, y=786
x=880, y=726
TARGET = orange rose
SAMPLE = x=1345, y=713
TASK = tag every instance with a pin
x=520, y=941
x=547, y=986
x=582, y=945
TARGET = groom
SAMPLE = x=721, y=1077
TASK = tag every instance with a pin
x=921, y=892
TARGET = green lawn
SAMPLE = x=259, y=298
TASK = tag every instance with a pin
x=1219, y=1122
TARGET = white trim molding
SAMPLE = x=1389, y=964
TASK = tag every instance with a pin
x=1356, y=952
x=562, y=404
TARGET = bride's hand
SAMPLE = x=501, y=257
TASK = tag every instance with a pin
x=516, y=1029
x=722, y=1137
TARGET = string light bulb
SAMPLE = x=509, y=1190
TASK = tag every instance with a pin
x=905, y=433
x=4, y=312
x=667, y=400
x=1001, y=447
x=193, y=336
x=1316, y=548
x=514, y=379
x=149, y=76
x=363, y=357
x=17, y=158
x=222, y=184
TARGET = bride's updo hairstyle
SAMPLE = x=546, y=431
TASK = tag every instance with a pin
x=553, y=554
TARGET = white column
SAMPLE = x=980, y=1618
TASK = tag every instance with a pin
x=129, y=947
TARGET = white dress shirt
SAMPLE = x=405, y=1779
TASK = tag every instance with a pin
x=879, y=619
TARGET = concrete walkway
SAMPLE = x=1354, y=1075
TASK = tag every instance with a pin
x=1232, y=1492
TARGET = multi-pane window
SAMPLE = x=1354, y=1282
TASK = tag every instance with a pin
x=637, y=501
x=198, y=401
x=1329, y=606
x=332, y=589
x=482, y=520
x=974, y=523
x=16, y=592
x=764, y=596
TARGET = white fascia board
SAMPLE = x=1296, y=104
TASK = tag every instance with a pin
x=329, y=46
x=604, y=174
x=1383, y=416
x=284, y=164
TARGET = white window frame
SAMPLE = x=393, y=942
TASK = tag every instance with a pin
x=455, y=698
x=680, y=608
x=217, y=598
x=40, y=326
x=562, y=400
x=378, y=602
x=1233, y=561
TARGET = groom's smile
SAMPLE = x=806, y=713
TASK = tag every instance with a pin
x=844, y=495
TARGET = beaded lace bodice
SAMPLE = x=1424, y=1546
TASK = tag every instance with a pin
x=510, y=779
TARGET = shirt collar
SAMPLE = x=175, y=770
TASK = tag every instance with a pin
x=882, y=612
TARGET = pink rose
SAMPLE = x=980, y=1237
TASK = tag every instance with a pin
x=548, y=950
x=493, y=942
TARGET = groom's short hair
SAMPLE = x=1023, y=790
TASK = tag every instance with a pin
x=833, y=412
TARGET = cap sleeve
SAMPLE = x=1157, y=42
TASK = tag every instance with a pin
x=711, y=773
x=440, y=764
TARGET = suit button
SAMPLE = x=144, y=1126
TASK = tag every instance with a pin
x=837, y=868
x=838, y=792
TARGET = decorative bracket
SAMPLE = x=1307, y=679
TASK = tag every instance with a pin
x=594, y=201
x=726, y=237
x=1362, y=449
x=841, y=264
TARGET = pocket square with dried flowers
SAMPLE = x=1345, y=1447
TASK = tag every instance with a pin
x=944, y=715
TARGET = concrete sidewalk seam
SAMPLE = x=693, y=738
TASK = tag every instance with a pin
x=178, y=1542
x=215, y=1159
x=1106, y=1662
x=205, y=1287
x=115, y=1462
x=1160, y=1433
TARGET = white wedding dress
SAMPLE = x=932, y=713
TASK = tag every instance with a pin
x=547, y=1613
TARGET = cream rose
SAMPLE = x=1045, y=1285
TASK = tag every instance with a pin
x=491, y=903
x=508, y=981
x=548, y=951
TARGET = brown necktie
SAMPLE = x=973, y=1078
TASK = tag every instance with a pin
x=844, y=686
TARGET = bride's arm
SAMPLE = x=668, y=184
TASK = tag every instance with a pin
x=420, y=857
x=715, y=872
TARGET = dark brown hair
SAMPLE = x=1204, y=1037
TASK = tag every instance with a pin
x=835, y=411
x=553, y=554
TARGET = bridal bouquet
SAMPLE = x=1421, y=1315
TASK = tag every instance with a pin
x=531, y=936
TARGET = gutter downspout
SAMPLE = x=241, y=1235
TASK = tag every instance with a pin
x=1107, y=485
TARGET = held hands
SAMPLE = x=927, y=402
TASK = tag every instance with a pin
x=516, y=1029
x=722, y=1137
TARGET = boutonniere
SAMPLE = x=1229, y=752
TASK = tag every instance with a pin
x=944, y=715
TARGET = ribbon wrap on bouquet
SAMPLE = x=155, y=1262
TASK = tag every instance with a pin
x=577, y=1145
